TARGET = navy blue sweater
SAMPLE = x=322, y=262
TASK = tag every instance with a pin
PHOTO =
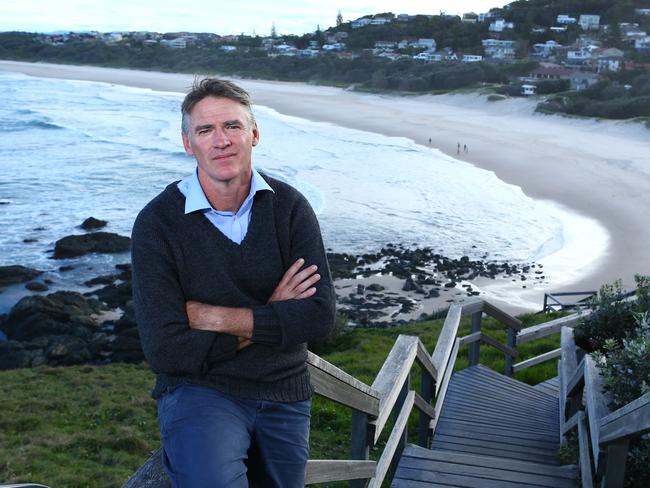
x=178, y=257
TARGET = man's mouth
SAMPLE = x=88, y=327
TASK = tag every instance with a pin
x=219, y=157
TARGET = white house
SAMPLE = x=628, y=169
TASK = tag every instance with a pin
x=642, y=11
x=228, y=48
x=556, y=28
x=642, y=45
x=385, y=44
x=588, y=22
x=500, y=25
x=337, y=46
x=178, y=43
x=428, y=57
x=528, y=90
x=578, y=56
x=495, y=48
x=471, y=58
x=564, y=19
x=355, y=24
x=544, y=50
x=425, y=44
x=380, y=21
x=483, y=17
x=308, y=53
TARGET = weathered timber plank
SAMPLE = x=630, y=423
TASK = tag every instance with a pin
x=441, y=388
x=630, y=420
x=470, y=338
x=390, y=379
x=470, y=417
x=495, y=436
x=572, y=423
x=325, y=470
x=498, y=446
x=542, y=358
x=568, y=471
x=424, y=360
x=473, y=306
x=532, y=435
x=585, y=459
x=596, y=406
x=342, y=392
x=500, y=411
x=319, y=363
x=501, y=347
x=502, y=316
x=445, y=344
x=486, y=472
x=515, y=394
x=423, y=406
x=483, y=374
x=488, y=451
x=548, y=328
x=393, y=442
x=446, y=479
x=576, y=380
x=615, y=460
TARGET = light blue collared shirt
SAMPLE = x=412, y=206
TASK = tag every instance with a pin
x=234, y=225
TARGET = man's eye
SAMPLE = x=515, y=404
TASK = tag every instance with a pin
x=233, y=126
x=203, y=132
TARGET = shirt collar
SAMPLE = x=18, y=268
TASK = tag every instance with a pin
x=195, y=198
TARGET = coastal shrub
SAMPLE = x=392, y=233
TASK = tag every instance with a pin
x=611, y=317
x=625, y=369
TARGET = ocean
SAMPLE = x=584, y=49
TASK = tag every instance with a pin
x=73, y=149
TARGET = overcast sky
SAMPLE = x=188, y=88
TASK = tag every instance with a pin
x=216, y=16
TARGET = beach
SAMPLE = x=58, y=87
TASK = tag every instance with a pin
x=597, y=170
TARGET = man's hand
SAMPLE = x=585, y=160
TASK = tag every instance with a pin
x=230, y=320
x=296, y=284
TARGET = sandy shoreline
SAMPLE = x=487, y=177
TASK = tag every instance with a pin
x=599, y=170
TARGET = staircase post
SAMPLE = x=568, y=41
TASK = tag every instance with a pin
x=474, y=351
x=426, y=392
x=512, y=342
x=360, y=442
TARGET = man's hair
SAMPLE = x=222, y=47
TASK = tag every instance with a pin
x=213, y=87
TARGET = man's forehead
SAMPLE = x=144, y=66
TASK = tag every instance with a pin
x=218, y=105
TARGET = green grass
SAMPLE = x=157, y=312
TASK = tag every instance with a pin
x=93, y=426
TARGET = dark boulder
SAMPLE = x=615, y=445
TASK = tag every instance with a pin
x=12, y=275
x=115, y=295
x=101, y=242
x=36, y=286
x=375, y=287
x=63, y=312
x=91, y=223
x=66, y=350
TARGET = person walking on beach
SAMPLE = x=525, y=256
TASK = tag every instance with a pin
x=458, y=148
x=230, y=282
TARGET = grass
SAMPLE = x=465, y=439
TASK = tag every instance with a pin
x=93, y=426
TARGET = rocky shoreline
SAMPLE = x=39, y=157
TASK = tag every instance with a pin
x=380, y=289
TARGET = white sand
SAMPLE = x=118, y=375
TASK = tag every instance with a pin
x=597, y=170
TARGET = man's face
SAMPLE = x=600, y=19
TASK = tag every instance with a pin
x=221, y=137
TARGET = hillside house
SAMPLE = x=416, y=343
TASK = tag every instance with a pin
x=469, y=18
x=499, y=49
x=564, y=19
x=471, y=58
x=544, y=50
x=528, y=90
x=356, y=24
x=429, y=44
x=607, y=59
x=589, y=22
x=642, y=45
x=500, y=25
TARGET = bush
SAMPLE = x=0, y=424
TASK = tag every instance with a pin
x=626, y=375
x=610, y=318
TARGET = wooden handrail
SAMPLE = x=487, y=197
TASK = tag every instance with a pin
x=335, y=384
x=628, y=421
x=549, y=328
x=392, y=376
x=445, y=344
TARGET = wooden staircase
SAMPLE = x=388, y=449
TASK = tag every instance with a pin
x=492, y=431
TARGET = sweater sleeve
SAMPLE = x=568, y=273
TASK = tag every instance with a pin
x=169, y=344
x=291, y=322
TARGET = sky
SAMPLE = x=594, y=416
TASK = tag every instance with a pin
x=214, y=16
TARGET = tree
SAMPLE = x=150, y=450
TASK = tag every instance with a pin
x=274, y=33
x=339, y=19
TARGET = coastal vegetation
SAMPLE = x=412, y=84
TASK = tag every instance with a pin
x=618, y=334
x=93, y=426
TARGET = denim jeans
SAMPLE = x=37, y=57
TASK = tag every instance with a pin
x=213, y=440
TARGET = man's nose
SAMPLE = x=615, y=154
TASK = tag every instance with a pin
x=220, y=139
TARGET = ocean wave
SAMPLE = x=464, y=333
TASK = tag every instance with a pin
x=19, y=125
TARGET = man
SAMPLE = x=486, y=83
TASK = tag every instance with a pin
x=227, y=294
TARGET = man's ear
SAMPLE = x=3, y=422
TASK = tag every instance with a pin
x=256, y=135
x=186, y=144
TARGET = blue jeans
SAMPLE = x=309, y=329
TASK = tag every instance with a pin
x=213, y=440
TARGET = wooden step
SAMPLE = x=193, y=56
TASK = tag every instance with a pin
x=420, y=467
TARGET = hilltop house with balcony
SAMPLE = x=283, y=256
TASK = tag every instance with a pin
x=499, y=49
x=500, y=25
